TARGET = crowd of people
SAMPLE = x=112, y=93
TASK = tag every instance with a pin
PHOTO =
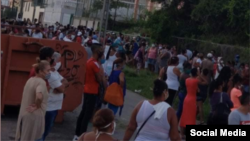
x=188, y=74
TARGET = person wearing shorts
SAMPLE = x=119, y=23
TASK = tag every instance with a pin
x=152, y=55
x=202, y=95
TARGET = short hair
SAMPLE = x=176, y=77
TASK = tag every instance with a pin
x=183, y=51
x=95, y=46
x=174, y=60
x=194, y=72
x=46, y=52
x=187, y=65
x=245, y=98
x=205, y=72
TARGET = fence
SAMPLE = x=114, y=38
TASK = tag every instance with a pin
x=228, y=52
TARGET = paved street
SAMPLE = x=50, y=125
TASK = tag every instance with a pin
x=65, y=131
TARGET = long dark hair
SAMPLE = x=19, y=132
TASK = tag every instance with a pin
x=111, y=47
x=225, y=75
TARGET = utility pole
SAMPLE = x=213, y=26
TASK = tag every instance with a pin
x=21, y=7
x=115, y=13
x=76, y=7
x=12, y=9
x=104, y=20
x=136, y=9
x=34, y=12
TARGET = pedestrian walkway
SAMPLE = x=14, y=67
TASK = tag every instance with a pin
x=65, y=131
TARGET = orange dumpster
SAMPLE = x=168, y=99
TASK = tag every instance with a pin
x=18, y=55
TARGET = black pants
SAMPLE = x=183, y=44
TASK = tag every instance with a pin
x=86, y=114
x=171, y=96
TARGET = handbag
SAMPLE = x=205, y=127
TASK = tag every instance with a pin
x=144, y=124
x=114, y=94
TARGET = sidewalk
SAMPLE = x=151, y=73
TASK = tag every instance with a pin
x=65, y=131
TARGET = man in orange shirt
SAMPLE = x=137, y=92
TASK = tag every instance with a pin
x=91, y=86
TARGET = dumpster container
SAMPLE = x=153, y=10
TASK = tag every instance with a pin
x=19, y=54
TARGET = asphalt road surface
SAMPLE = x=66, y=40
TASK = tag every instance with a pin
x=65, y=131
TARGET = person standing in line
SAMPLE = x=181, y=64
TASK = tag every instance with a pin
x=79, y=37
x=207, y=63
x=182, y=58
x=199, y=60
x=219, y=66
x=189, y=52
x=236, y=92
x=37, y=34
x=135, y=49
x=241, y=116
x=173, y=75
x=68, y=37
x=183, y=89
x=164, y=57
x=91, y=86
x=62, y=34
x=188, y=116
x=104, y=127
x=110, y=58
x=152, y=55
x=162, y=123
x=45, y=53
x=217, y=96
x=31, y=121
x=57, y=85
x=202, y=94
x=245, y=75
x=117, y=76
x=194, y=58
x=139, y=57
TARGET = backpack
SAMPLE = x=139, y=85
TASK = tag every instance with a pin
x=220, y=114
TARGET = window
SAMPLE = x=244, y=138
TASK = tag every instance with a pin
x=38, y=2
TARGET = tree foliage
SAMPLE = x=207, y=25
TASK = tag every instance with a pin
x=221, y=21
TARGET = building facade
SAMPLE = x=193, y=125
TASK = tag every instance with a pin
x=62, y=11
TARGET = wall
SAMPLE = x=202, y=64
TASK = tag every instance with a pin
x=61, y=11
x=28, y=11
x=52, y=12
x=82, y=21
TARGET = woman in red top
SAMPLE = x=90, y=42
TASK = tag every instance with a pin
x=188, y=116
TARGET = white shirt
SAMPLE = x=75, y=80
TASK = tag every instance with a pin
x=199, y=61
x=106, y=50
x=66, y=39
x=37, y=35
x=108, y=65
x=61, y=36
x=154, y=129
x=172, y=79
x=55, y=100
x=182, y=59
x=189, y=54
